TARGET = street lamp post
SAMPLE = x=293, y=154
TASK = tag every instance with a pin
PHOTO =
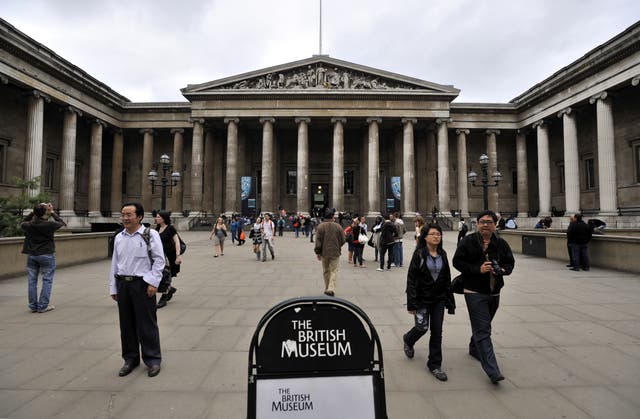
x=496, y=176
x=165, y=161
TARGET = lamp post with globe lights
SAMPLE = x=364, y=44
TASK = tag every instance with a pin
x=165, y=181
x=484, y=179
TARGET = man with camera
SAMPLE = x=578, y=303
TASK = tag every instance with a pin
x=483, y=259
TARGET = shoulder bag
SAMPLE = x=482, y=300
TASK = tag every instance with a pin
x=165, y=282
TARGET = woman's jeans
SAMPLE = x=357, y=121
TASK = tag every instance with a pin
x=357, y=254
x=481, y=309
x=434, y=315
x=35, y=265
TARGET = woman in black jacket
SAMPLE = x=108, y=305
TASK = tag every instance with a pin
x=428, y=283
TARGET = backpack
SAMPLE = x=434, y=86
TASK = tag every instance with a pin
x=464, y=228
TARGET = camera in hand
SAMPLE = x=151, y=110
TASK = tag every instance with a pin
x=496, y=267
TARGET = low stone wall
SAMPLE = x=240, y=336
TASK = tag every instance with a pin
x=605, y=251
x=71, y=249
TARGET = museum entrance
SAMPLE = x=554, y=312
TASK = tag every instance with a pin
x=319, y=198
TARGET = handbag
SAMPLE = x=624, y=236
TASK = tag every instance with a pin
x=183, y=245
x=165, y=281
x=363, y=238
x=457, y=285
x=370, y=242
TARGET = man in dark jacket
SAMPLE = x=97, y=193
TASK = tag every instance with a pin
x=483, y=259
x=329, y=240
x=388, y=235
x=579, y=236
x=40, y=248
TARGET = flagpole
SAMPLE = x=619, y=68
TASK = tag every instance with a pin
x=320, y=34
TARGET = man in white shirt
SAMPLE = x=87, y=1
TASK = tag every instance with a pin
x=133, y=283
x=268, y=237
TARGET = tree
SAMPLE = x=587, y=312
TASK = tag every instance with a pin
x=13, y=207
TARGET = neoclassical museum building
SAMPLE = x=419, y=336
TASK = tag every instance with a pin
x=324, y=132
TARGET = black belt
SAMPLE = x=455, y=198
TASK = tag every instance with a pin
x=128, y=278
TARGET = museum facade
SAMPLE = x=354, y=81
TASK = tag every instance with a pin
x=325, y=132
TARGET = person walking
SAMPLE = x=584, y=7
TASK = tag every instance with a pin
x=218, y=232
x=171, y=247
x=358, y=247
x=39, y=246
x=281, y=224
x=579, y=234
x=418, y=223
x=256, y=235
x=268, y=237
x=133, y=282
x=388, y=234
x=398, y=257
x=483, y=259
x=365, y=230
x=428, y=293
x=463, y=228
x=376, y=235
x=234, y=230
x=329, y=240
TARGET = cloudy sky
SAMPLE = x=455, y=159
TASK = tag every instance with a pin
x=493, y=50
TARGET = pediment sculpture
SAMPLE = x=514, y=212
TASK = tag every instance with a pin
x=318, y=76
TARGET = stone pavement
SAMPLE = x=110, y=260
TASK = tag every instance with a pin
x=567, y=342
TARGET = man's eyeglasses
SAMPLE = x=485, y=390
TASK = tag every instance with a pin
x=434, y=234
x=485, y=222
x=127, y=215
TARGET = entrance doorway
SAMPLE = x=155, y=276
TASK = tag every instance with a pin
x=319, y=198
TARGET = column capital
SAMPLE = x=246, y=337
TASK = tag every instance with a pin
x=118, y=131
x=374, y=119
x=194, y=120
x=100, y=122
x=4, y=79
x=440, y=121
x=634, y=81
x=492, y=131
x=523, y=131
x=412, y=121
x=177, y=130
x=234, y=120
x=462, y=131
x=72, y=109
x=39, y=94
x=565, y=111
x=267, y=119
x=303, y=119
x=338, y=119
x=146, y=131
x=539, y=123
x=601, y=96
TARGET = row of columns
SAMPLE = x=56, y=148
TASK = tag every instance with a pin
x=605, y=144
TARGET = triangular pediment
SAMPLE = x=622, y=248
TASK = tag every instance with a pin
x=321, y=74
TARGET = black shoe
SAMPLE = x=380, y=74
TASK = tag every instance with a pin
x=495, y=379
x=162, y=301
x=172, y=291
x=329, y=293
x=408, y=350
x=154, y=370
x=569, y=266
x=585, y=269
x=126, y=369
x=574, y=269
x=441, y=375
x=273, y=257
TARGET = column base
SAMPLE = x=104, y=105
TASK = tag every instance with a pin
x=607, y=214
x=446, y=214
x=69, y=213
x=373, y=214
x=94, y=214
x=523, y=215
x=544, y=214
x=465, y=214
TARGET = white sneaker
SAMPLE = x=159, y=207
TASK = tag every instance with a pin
x=380, y=270
x=49, y=308
x=393, y=265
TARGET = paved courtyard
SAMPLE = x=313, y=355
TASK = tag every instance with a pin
x=567, y=342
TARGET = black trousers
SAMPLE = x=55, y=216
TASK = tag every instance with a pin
x=482, y=308
x=138, y=323
x=432, y=315
x=386, y=248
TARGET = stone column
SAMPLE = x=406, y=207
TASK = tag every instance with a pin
x=606, y=155
x=571, y=161
x=373, y=184
x=463, y=182
x=178, y=163
x=147, y=166
x=116, y=173
x=207, y=176
x=408, y=168
x=492, y=153
x=68, y=170
x=337, y=189
x=266, y=203
x=197, y=148
x=219, y=177
x=33, y=148
x=231, y=190
x=443, y=167
x=95, y=168
x=432, y=169
x=302, y=173
x=544, y=169
x=523, y=181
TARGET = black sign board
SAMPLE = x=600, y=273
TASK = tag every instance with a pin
x=316, y=357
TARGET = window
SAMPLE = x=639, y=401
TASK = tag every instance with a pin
x=4, y=149
x=589, y=173
x=292, y=182
x=348, y=182
x=514, y=182
x=49, y=171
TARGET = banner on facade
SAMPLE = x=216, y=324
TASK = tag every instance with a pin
x=248, y=196
x=392, y=193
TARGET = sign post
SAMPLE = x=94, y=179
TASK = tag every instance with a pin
x=316, y=357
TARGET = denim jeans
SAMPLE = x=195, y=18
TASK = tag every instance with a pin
x=580, y=255
x=434, y=314
x=36, y=264
x=397, y=253
x=481, y=309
